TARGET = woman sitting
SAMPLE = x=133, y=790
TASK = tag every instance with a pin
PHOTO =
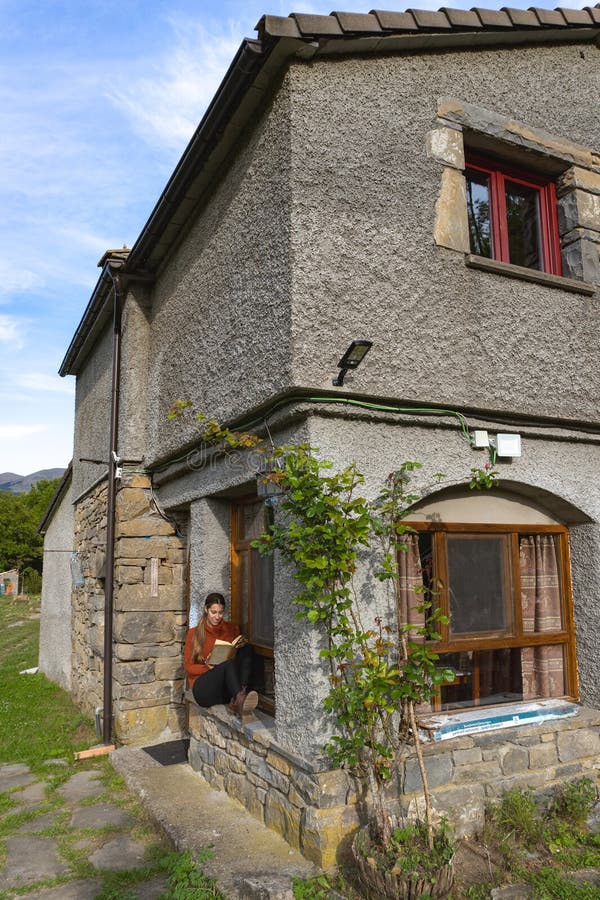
x=228, y=681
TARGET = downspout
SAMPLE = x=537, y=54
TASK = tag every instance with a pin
x=113, y=460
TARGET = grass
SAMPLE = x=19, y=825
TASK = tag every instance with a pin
x=39, y=722
x=540, y=841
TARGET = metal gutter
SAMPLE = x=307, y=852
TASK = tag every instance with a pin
x=94, y=316
x=55, y=499
x=107, y=716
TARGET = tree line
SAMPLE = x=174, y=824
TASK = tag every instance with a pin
x=21, y=547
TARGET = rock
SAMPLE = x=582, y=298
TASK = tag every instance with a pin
x=266, y=887
x=30, y=859
x=100, y=815
x=119, y=854
x=81, y=786
x=16, y=775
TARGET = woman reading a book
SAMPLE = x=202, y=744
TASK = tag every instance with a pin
x=219, y=682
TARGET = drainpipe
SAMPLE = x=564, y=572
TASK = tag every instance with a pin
x=113, y=460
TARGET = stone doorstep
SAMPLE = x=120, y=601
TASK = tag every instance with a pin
x=194, y=816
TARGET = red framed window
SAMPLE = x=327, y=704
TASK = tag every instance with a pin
x=512, y=215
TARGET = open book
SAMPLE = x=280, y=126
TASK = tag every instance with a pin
x=223, y=650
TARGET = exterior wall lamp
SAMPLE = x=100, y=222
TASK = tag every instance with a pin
x=351, y=359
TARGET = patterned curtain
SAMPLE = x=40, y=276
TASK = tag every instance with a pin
x=411, y=577
x=542, y=667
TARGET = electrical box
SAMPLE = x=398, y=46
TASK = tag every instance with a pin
x=508, y=444
x=481, y=439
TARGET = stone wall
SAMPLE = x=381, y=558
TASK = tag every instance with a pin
x=87, y=614
x=317, y=809
x=150, y=613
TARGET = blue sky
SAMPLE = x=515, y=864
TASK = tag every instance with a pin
x=97, y=102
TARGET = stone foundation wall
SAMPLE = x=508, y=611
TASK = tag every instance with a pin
x=150, y=613
x=88, y=600
x=317, y=809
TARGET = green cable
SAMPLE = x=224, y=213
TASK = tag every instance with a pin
x=379, y=407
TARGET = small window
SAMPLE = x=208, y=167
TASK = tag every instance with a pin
x=505, y=591
x=512, y=215
x=252, y=591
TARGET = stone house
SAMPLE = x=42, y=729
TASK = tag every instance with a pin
x=429, y=182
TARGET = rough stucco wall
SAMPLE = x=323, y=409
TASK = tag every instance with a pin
x=554, y=473
x=133, y=406
x=585, y=566
x=55, y=624
x=210, y=561
x=92, y=414
x=220, y=323
x=560, y=468
x=365, y=263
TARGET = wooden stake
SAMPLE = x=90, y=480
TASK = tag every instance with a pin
x=100, y=750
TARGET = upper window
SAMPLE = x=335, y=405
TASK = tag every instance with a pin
x=252, y=591
x=512, y=215
x=505, y=592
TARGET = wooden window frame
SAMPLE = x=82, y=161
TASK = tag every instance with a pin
x=518, y=638
x=238, y=545
x=499, y=173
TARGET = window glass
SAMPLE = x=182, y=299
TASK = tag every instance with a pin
x=252, y=593
x=242, y=598
x=505, y=592
x=512, y=214
x=503, y=675
x=478, y=584
x=252, y=521
x=478, y=207
x=523, y=221
x=261, y=590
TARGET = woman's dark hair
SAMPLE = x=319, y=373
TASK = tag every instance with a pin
x=200, y=632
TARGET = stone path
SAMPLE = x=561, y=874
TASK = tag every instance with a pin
x=55, y=843
x=57, y=838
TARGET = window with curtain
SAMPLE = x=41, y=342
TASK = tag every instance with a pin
x=506, y=593
x=252, y=591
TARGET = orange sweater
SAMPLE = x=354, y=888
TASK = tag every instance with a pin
x=226, y=631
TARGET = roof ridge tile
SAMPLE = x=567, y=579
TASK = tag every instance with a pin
x=395, y=21
x=311, y=24
x=462, y=18
x=492, y=18
x=358, y=23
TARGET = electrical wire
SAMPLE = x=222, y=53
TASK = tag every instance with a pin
x=348, y=401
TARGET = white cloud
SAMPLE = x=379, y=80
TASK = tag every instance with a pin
x=38, y=381
x=11, y=331
x=17, y=280
x=10, y=432
x=166, y=105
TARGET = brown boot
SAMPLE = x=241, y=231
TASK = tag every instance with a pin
x=243, y=703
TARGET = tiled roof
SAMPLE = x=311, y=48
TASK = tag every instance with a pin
x=379, y=23
x=248, y=80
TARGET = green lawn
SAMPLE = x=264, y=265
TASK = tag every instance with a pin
x=38, y=720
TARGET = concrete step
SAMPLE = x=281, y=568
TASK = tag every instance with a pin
x=249, y=859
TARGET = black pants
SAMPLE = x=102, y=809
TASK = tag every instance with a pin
x=220, y=684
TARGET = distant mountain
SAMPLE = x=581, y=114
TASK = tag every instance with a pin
x=20, y=484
